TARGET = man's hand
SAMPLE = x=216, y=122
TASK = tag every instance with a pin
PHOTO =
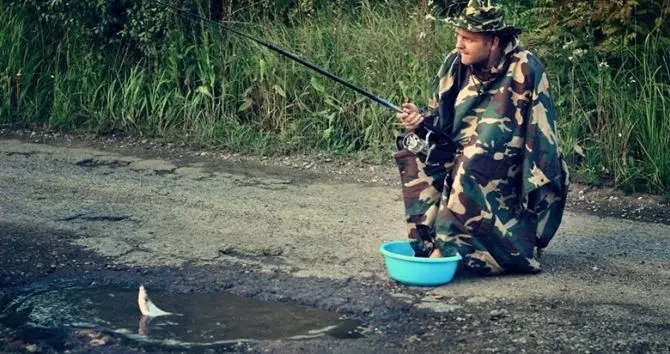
x=410, y=117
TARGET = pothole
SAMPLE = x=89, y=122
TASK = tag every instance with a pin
x=198, y=319
x=104, y=161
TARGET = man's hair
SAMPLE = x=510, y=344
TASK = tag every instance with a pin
x=504, y=37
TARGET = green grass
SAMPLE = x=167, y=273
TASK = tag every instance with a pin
x=618, y=119
x=227, y=91
x=20, y=71
x=213, y=89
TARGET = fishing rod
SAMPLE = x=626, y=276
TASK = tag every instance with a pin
x=283, y=52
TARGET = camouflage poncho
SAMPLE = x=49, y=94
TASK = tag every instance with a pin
x=503, y=194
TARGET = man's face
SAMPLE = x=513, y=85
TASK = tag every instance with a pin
x=473, y=47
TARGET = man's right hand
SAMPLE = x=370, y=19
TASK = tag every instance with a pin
x=410, y=117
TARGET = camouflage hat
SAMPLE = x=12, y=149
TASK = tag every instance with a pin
x=483, y=16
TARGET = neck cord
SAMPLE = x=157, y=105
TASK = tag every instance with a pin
x=479, y=83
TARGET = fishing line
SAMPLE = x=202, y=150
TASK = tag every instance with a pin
x=285, y=53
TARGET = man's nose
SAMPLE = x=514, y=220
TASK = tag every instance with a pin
x=459, y=44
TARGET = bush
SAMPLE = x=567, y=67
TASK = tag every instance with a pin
x=609, y=26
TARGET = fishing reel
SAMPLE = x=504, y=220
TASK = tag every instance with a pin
x=431, y=145
x=412, y=142
x=419, y=140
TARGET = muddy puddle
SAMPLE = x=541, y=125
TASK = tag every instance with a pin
x=198, y=320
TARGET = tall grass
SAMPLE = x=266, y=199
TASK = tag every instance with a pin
x=222, y=90
x=21, y=63
x=618, y=118
x=209, y=87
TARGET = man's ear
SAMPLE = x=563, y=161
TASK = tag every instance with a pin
x=495, y=43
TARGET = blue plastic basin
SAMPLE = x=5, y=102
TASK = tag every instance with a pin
x=402, y=266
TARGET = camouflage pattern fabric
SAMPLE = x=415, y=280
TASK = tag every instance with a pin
x=483, y=16
x=502, y=195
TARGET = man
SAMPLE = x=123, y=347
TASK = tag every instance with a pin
x=495, y=190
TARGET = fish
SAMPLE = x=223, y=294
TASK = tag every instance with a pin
x=147, y=308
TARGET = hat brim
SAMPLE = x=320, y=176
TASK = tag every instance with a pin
x=459, y=22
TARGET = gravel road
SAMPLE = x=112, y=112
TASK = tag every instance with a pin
x=307, y=231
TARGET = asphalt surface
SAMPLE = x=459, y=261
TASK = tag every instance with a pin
x=73, y=214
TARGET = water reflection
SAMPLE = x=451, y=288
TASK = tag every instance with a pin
x=198, y=319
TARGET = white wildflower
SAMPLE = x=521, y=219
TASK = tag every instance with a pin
x=430, y=17
x=579, y=52
x=422, y=35
x=604, y=65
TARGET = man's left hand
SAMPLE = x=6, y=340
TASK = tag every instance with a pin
x=410, y=118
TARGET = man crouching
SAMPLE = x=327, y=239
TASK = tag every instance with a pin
x=499, y=192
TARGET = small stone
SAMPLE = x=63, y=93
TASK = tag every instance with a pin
x=476, y=300
x=439, y=307
x=365, y=275
x=498, y=314
x=413, y=338
x=98, y=342
x=273, y=251
x=226, y=249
